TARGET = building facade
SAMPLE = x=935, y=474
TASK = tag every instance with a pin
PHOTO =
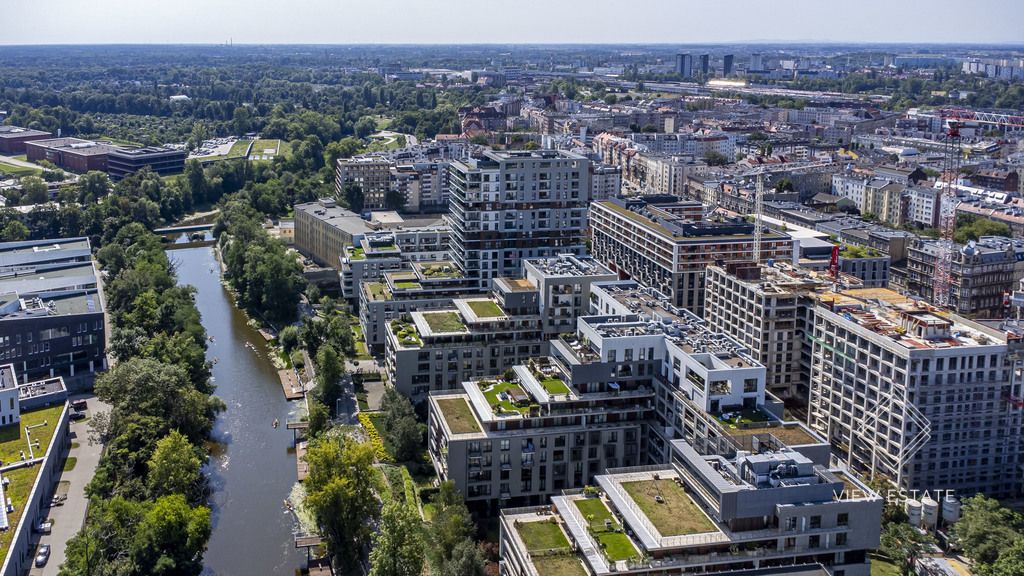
x=669, y=252
x=507, y=206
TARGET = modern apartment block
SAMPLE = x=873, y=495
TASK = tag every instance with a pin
x=563, y=283
x=511, y=205
x=658, y=247
x=928, y=399
x=371, y=174
x=487, y=335
x=765, y=309
x=476, y=337
x=982, y=274
x=325, y=231
x=416, y=286
x=637, y=362
x=373, y=253
x=51, y=311
x=773, y=512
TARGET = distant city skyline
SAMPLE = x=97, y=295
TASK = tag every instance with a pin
x=522, y=22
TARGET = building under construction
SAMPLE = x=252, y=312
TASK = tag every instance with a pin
x=926, y=398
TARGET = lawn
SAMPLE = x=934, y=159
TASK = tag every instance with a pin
x=676, y=515
x=12, y=437
x=268, y=149
x=358, y=253
x=491, y=391
x=70, y=463
x=441, y=322
x=881, y=566
x=543, y=535
x=746, y=416
x=486, y=308
x=240, y=149
x=18, y=171
x=558, y=565
x=382, y=122
x=554, y=386
x=606, y=529
x=458, y=415
x=408, y=285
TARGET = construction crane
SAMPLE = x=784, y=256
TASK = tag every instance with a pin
x=947, y=217
x=954, y=115
x=763, y=175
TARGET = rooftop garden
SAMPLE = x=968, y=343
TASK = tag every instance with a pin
x=668, y=507
x=406, y=333
x=859, y=252
x=42, y=424
x=440, y=270
x=560, y=565
x=444, y=322
x=358, y=254
x=740, y=418
x=606, y=529
x=458, y=415
x=544, y=535
x=506, y=397
x=486, y=308
x=13, y=440
x=377, y=291
x=407, y=285
x=545, y=374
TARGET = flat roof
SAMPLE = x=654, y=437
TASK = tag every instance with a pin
x=75, y=145
x=19, y=132
x=39, y=251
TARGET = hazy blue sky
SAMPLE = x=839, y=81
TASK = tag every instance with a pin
x=518, y=21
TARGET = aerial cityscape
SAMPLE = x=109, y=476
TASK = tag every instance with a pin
x=555, y=292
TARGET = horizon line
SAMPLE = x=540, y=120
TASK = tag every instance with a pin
x=228, y=43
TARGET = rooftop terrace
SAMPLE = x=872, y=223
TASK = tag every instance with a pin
x=913, y=324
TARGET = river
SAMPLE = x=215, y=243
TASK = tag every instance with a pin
x=252, y=469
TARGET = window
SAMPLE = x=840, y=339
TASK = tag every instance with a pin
x=504, y=444
x=815, y=522
x=843, y=519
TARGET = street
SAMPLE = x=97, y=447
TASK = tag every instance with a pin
x=68, y=518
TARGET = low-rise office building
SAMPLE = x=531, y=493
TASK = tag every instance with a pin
x=124, y=161
x=51, y=311
x=71, y=154
x=13, y=138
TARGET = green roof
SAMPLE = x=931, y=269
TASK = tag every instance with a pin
x=676, y=514
x=444, y=321
x=458, y=415
x=486, y=308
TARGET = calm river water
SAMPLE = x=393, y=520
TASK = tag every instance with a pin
x=253, y=466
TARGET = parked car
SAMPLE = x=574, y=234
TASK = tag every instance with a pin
x=80, y=405
x=44, y=526
x=43, y=556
